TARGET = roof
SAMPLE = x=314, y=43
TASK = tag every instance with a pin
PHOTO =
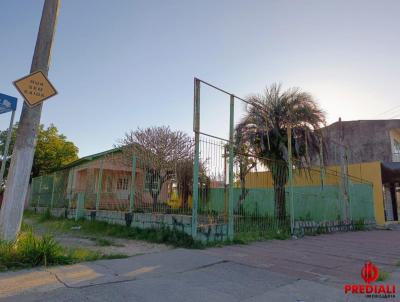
x=89, y=158
x=360, y=121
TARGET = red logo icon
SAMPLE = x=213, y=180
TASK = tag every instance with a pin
x=369, y=272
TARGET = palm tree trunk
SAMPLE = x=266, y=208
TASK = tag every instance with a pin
x=280, y=177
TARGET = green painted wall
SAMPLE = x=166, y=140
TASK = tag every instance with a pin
x=311, y=202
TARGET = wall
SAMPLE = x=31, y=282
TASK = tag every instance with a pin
x=310, y=202
x=363, y=172
x=367, y=140
x=182, y=223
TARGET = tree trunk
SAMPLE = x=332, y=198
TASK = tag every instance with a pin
x=280, y=178
x=280, y=201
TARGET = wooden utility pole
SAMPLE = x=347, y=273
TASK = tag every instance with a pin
x=24, y=148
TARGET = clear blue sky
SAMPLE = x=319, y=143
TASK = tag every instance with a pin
x=122, y=64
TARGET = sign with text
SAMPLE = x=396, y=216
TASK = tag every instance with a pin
x=7, y=103
x=35, y=88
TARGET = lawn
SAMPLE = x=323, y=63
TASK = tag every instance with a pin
x=103, y=232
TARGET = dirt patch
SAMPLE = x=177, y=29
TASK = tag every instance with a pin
x=104, y=244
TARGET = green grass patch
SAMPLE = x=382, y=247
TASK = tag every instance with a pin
x=29, y=250
x=248, y=237
x=102, y=241
x=383, y=276
x=100, y=229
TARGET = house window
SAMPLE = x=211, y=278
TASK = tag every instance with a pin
x=122, y=184
x=152, y=182
x=396, y=146
x=108, y=184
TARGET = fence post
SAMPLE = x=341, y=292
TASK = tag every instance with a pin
x=40, y=191
x=70, y=186
x=230, y=185
x=290, y=166
x=196, y=129
x=52, y=191
x=80, y=206
x=99, y=184
x=133, y=179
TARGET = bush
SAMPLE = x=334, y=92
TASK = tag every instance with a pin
x=29, y=250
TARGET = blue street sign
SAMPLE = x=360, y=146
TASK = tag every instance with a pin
x=7, y=103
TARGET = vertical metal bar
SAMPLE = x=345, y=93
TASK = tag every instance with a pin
x=71, y=186
x=290, y=166
x=99, y=184
x=322, y=166
x=79, y=212
x=133, y=179
x=52, y=191
x=230, y=164
x=5, y=153
x=196, y=129
x=40, y=191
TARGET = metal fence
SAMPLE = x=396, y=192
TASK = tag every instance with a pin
x=219, y=192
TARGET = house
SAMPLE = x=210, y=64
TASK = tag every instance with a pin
x=370, y=141
x=105, y=180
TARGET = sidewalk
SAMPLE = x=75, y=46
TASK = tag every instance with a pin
x=264, y=271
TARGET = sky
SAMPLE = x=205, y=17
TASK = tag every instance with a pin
x=123, y=64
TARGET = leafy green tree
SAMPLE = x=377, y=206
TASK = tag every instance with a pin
x=53, y=150
x=263, y=133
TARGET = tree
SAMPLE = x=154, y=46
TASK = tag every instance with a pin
x=244, y=160
x=160, y=151
x=264, y=130
x=53, y=150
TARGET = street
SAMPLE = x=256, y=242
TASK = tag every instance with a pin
x=309, y=269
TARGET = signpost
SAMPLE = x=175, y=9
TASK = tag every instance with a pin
x=35, y=88
x=24, y=148
x=7, y=103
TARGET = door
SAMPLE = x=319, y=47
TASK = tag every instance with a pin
x=122, y=187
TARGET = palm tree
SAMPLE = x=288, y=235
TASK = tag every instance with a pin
x=264, y=129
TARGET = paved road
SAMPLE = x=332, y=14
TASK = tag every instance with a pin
x=309, y=269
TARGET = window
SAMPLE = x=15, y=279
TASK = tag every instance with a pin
x=396, y=146
x=108, y=184
x=122, y=184
x=152, y=182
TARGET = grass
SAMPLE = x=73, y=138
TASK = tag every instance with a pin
x=383, y=276
x=398, y=263
x=29, y=250
x=102, y=241
x=248, y=237
x=99, y=229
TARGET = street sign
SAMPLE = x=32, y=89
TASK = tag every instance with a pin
x=7, y=103
x=35, y=88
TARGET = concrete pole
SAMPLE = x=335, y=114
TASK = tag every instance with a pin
x=290, y=167
x=196, y=163
x=24, y=148
x=230, y=167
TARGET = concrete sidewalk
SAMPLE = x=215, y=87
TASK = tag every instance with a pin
x=309, y=269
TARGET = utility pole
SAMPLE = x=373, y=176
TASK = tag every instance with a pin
x=24, y=148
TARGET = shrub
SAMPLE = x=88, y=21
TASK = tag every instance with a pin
x=29, y=250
